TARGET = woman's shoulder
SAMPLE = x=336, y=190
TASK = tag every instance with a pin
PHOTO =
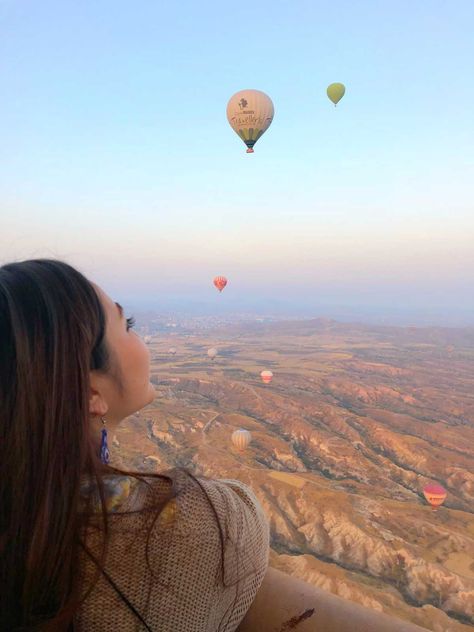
x=199, y=507
x=227, y=499
x=216, y=525
x=199, y=538
x=230, y=501
x=235, y=504
x=189, y=506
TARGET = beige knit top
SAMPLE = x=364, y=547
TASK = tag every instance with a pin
x=207, y=556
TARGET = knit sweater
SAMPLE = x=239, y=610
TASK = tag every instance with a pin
x=195, y=566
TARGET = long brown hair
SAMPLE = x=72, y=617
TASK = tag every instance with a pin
x=52, y=334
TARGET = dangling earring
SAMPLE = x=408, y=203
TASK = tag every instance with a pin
x=104, y=448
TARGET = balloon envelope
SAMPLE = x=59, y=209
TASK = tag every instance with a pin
x=435, y=494
x=241, y=438
x=212, y=352
x=220, y=282
x=250, y=114
x=266, y=376
x=335, y=92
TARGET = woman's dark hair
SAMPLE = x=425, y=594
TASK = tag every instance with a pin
x=52, y=334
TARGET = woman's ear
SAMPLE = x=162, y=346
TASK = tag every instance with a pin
x=97, y=405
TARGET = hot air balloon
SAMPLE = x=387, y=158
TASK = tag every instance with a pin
x=435, y=494
x=212, y=352
x=250, y=114
x=172, y=350
x=266, y=376
x=220, y=282
x=241, y=438
x=147, y=340
x=335, y=92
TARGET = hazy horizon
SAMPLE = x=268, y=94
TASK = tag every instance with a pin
x=248, y=310
x=117, y=156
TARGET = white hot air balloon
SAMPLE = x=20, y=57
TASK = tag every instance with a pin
x=212, y=353
x=241, y=438
x=172, y=350
x=266, y=376
x=147, y=340
x=250, y=114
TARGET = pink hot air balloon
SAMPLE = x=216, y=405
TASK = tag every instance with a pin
x=220, y=282
x=435, y=494
x=266, y=376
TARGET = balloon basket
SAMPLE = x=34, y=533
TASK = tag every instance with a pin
x=250, y=150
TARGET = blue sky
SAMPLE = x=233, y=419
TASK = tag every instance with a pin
x=117, y=157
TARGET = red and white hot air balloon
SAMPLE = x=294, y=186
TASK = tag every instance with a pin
x=241, y=438
x=220, y=282
x=435, y=494
x=266, y=376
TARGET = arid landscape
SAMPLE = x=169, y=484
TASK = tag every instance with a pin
x=355, y=422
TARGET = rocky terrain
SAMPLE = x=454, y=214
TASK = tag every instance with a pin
x=355, y=422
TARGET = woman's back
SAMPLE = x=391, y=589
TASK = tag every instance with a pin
x=195, y=567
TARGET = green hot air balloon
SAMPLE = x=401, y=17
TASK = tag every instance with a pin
x=336, y=92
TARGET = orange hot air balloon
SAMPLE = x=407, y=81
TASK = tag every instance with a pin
x=241, y=438
x=220, y=282
x=266, y=376
x=435, y=494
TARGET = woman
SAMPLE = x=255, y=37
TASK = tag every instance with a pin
x=83, y=545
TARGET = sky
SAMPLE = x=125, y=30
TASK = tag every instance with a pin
x=117, y=157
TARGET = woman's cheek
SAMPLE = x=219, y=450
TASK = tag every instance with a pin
x=142, y=359
x=151, y=393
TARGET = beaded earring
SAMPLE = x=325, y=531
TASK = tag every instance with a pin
x=104, y=448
